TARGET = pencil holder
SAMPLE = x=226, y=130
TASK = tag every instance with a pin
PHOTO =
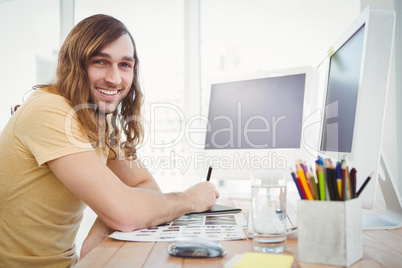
x=330, y=232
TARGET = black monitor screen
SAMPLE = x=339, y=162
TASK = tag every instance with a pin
x=342, y=91
x=258, y=113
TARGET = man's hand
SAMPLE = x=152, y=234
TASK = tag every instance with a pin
x=202, y=196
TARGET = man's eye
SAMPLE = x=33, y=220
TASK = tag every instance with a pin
x=126, y=65
x=100, y=62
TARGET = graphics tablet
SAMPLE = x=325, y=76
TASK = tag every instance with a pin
x=217, y=209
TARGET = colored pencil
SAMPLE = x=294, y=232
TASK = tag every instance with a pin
x=314, y=184
x=343, y=177
x=297, y=184
x=302, y=176
x=353, y=181
x=321, y=181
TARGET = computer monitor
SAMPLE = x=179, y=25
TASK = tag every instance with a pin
x=258, y=121
x=356, y=83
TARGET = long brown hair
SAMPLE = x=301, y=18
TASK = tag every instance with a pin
x=84, y=40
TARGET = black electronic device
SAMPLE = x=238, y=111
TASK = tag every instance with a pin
x=196, y=248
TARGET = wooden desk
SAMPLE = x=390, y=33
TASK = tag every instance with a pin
x=381, y=248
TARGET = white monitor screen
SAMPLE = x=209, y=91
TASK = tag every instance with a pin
x=354, y=103
x=264, y=113
x=341, y=99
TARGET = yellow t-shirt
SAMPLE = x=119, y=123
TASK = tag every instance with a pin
x=39, y=216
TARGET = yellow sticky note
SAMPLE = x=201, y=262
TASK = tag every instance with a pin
x=260, y=260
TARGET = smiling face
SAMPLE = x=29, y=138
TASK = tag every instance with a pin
x=110, y=73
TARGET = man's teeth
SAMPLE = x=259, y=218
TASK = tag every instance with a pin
x=107, y=92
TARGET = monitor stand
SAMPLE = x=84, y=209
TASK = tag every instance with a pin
x=392, y=217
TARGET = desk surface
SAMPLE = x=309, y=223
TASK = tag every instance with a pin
x=381, y=248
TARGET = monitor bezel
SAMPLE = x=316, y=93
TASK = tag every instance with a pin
x=308, y=143
x=376, y=59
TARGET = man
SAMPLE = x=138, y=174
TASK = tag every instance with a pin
x=61, y=151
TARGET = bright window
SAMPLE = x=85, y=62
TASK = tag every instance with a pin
x=248, y=36
x=29, y=34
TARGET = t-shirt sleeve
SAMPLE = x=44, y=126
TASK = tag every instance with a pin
x=48, y=128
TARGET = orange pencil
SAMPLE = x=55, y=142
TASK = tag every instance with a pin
x=303, y=180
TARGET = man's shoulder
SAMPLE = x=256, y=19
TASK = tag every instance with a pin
x=47, y=94
x=44, y=106
x=43, y=99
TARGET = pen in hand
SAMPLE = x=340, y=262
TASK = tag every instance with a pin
x=209, y=173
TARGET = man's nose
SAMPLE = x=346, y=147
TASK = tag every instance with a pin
x=113, y=75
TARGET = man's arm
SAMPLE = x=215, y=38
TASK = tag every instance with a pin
x=120, y=206
x=132, y=173
x=99, y=231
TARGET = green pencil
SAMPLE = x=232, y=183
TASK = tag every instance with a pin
x=321, y=181
x=314, y=184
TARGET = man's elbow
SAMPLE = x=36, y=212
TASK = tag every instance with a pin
x=126, y=223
